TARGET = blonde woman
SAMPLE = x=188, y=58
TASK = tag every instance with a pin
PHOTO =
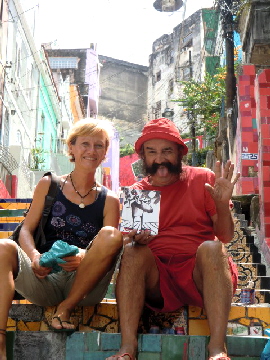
x=85, y=214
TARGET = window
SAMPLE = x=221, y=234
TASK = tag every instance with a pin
x=63, y=62
x=158, y=109
x=158, y=76
x=171, y=83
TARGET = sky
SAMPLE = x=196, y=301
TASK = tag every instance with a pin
x=122, y=29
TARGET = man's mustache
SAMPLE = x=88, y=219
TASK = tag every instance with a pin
x=174, y=169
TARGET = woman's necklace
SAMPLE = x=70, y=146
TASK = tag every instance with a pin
x=82, y=205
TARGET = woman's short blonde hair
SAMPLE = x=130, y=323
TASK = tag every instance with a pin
x=88, y=127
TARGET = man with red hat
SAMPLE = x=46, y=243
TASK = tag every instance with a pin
x=186, y=263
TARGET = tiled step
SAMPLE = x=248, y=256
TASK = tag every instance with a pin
x=5, y=234
x=5, y=213
x=8, y=226
x=260, y=282
x=244, y=256
x=98, y=346
x=261, y=296
x=251, y=269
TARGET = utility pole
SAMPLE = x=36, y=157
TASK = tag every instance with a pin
x=229, y=46
x=191, y=118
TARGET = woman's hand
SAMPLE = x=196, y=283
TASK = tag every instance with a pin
x=40, y=271
x=143, y=238
x=72, y=262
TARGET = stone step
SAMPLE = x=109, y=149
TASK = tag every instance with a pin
x=98, y=346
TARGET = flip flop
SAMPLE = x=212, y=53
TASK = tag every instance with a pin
x=61, y=323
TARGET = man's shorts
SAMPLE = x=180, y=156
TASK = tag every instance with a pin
x=177, y=285
x=53, y=289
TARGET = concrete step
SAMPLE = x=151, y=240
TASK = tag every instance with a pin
x=98, y=346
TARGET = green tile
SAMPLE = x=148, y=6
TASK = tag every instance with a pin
x=75, y=346
x=197, y=347
x=245, y=345
x=97, y=355
x=110, y=341
x=151, y=342
x=91, y=341
x=149, y=356
x=10, y=344
x=245, y=358
x=173, y=346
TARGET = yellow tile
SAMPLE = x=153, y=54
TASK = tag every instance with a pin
x=5, y=234
x=44, y=326
x=22, y=326
x=262, y=313
x=237, y=311
x=198, y=327
x=197, y=312
x=14, y=206
x=244, y=321
x=33, y=325
x=11, y=323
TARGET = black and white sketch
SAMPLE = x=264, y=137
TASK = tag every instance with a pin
x=140, y=210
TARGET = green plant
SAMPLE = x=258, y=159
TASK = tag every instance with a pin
x=128, y=149
x=202, y=102
x=200, y=156
x=37, y=159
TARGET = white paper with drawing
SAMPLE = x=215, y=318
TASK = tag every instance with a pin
x=139, y=210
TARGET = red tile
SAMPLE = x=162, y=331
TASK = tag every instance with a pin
x=265, y=91
x=249, y=70
x=246, y=121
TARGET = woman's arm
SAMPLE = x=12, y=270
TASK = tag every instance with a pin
x=111, y=214
x=26, y=239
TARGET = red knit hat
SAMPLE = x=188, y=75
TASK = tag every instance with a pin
x=160, y=129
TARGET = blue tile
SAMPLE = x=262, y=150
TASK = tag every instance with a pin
x=110, y=341
x=92, y=341
x=151, y=342
x=75, y=346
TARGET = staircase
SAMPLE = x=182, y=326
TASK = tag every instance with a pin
x=97, y=334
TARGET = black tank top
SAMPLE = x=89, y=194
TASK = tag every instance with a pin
x=68, y=222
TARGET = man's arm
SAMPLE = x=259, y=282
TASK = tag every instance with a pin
x=221, y=193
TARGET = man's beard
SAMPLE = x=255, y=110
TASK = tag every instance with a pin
x=173, y=169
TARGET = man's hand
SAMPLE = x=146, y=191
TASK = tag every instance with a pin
x=223, y=188
x=143, y=238
x=40, y=271
x=72, y=262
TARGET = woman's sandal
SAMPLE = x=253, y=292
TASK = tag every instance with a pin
x=61, y=323
x=3, y=332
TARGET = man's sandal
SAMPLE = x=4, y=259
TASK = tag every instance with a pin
x=3, y=332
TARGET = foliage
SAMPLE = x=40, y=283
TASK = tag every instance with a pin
x=37, y=159
x=202, y=101
x=200, y=156
x=128, y=149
